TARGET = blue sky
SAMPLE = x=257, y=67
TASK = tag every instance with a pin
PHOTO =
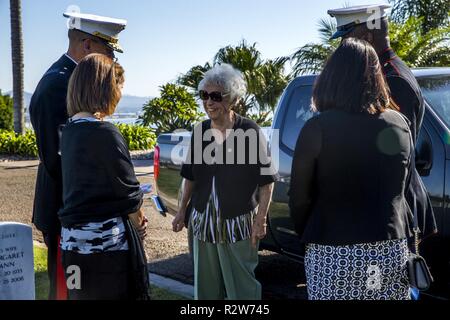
x=165, y=38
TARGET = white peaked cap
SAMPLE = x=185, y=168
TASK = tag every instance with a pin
x=348, y=18
x=105, y=28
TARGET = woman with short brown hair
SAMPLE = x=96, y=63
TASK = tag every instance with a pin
x=101, y=195
x=348, y=180
x=98, y=96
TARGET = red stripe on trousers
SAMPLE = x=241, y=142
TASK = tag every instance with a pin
x=61, y=288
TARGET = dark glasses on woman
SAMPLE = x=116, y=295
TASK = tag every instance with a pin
x=215, y=96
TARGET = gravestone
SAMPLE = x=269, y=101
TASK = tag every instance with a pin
x=16, y=262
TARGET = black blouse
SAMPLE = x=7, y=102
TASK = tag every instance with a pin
x=99, y=182
x=348, y=179
x=236, y=182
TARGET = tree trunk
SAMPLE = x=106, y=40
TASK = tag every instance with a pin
x=17, y=65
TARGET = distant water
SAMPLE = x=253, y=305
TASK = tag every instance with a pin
x=117, y=118
x=125, y=120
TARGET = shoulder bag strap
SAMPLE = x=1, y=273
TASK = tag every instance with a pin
x=411, y=169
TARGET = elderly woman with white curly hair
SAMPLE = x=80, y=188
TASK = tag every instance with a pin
x=228, y=187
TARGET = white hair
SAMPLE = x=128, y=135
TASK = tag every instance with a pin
x=228, y=78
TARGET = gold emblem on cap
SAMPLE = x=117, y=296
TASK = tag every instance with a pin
x=105, y=37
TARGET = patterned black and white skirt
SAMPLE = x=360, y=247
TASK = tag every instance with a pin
x=371, y=271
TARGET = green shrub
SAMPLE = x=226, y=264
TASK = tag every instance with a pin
x=6, y=113
x=16, y=144
x=137, y=137
x=175, y=109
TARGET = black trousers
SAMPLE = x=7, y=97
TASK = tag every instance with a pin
x=51, y=240
x=103, y=276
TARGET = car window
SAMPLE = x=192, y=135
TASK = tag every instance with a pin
x=298, y=112
x=436, y=90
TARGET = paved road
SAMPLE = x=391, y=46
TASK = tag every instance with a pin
x=168, y=252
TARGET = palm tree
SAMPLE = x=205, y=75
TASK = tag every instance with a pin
x=271, y=82
x=414, y=46
x=265, y=79
x=193, y=77
x=311, y=58
x=435, y=13
x=418, y=48
x=17, y=64
x=244, y=57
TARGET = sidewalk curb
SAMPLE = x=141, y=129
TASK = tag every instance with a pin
x=173, y=286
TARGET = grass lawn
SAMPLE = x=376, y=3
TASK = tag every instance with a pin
x=40, y=273
x=40, y=269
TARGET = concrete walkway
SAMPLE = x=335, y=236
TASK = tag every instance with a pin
x=141, y=167
x=20, y=164
x=145, y=167
x=173, y=286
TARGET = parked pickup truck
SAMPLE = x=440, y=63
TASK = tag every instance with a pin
x=293, y=110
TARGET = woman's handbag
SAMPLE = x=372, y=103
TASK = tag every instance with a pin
x=419, y=274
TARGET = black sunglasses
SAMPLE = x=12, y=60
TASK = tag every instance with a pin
x=215, y=96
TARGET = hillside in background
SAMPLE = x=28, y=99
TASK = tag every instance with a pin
x=132, y=104
x=128, y=104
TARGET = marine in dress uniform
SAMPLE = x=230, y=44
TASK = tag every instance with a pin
x=48, y=112
x=405, y=90
x=369, y=22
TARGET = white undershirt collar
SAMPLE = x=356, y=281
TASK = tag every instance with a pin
x=71, y=58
